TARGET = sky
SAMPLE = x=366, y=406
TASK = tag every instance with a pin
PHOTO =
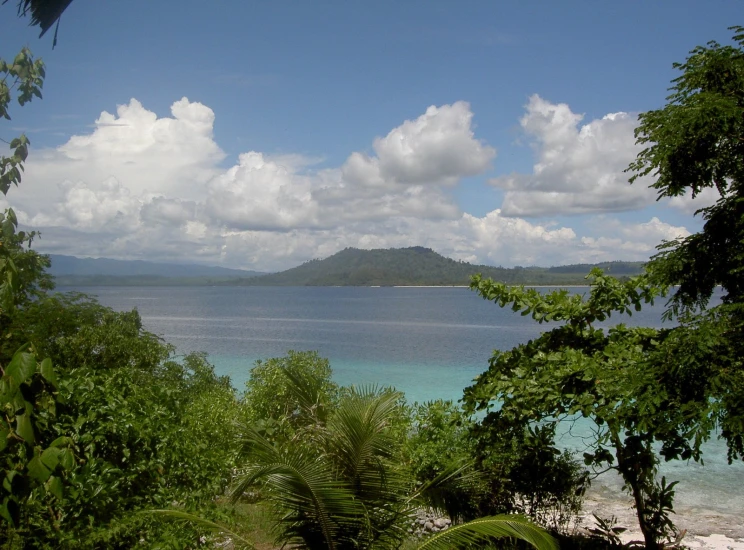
x=260, y=135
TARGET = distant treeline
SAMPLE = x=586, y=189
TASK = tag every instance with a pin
x=422, y=266
x=415, y=266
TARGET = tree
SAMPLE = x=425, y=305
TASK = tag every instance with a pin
x=611, y=378
x=646, y=389
x=28, y=385
x=694, y=143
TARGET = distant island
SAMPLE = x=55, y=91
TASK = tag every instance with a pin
x=413, y=266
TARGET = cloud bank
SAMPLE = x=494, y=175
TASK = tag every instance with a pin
x=143, y=186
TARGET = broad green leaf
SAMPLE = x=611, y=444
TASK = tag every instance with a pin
x=47, y=371
x=24, y=428
x=67, y=459
x=51, y=457
x=480, y=531
x=54, y=486
x=22, y=366
x=37, y=469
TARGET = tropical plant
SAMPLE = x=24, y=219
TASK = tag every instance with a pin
x=651, y=393
x=133, y=427
x=692, y=144
x=609, y=377
x=351, y=490
x=286, y=396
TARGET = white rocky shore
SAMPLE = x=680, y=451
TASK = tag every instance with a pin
x=705, y=528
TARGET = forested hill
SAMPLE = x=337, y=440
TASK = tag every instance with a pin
x=422, y=266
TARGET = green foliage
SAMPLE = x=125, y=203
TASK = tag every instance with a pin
x=26, y=77
x=439, y=442
x=650, y=393
x=143, y=430
x=438, y=439
x=613, y=378
x=285, y=394
x=694, y=143
x=21, y=269
x=483, y=530
x=32, y=465
x=351, y=490
x=117, y=426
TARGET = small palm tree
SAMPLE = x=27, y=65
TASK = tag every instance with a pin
x=344, y=489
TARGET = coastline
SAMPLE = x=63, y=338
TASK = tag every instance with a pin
x=704, y=528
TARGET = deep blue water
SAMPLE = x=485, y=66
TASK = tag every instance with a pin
x=428, y=342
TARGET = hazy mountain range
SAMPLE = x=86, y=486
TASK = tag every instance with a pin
x=349, y=267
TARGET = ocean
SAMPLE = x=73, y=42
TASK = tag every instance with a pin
x=427, y=342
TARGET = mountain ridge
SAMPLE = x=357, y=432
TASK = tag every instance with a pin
x=420, y=266
x=411, y=266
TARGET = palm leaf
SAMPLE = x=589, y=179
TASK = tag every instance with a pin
x=360, y=439
x=481, y=530
x=44, y=13
x=315, y=504
x=178, y=515
x=360, y=444
x=447, y=490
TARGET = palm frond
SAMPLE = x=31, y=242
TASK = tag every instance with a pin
x=446, y=492
x=359, y=432
x=315, y=504
x=481, y=530
x=44, y=13
x=178, y=515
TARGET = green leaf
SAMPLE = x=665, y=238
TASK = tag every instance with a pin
x=21, y=367
x=67, y=459
x=54, y=486
x=50, y=457
x=10, y=510
x=480, y=531
x=37, y=469
x=24, y=428
x=47, y=371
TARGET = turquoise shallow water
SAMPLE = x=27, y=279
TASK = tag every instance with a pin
x=428, y=342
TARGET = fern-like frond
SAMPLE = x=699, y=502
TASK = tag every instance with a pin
x=480, y=531
x=314, y=504
x=44, y=13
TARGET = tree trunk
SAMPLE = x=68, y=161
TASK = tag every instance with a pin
x=630, y=470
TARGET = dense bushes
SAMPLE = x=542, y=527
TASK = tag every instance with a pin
x=137, y=428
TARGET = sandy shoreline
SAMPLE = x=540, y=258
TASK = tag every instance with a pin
x=706, y=529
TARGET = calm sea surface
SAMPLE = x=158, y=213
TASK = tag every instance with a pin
x=428, y=342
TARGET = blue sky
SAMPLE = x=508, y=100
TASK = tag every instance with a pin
x=293, y=142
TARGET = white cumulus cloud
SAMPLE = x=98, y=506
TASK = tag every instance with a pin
x=143, y=186
x=439, y=147
x=578, y=169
